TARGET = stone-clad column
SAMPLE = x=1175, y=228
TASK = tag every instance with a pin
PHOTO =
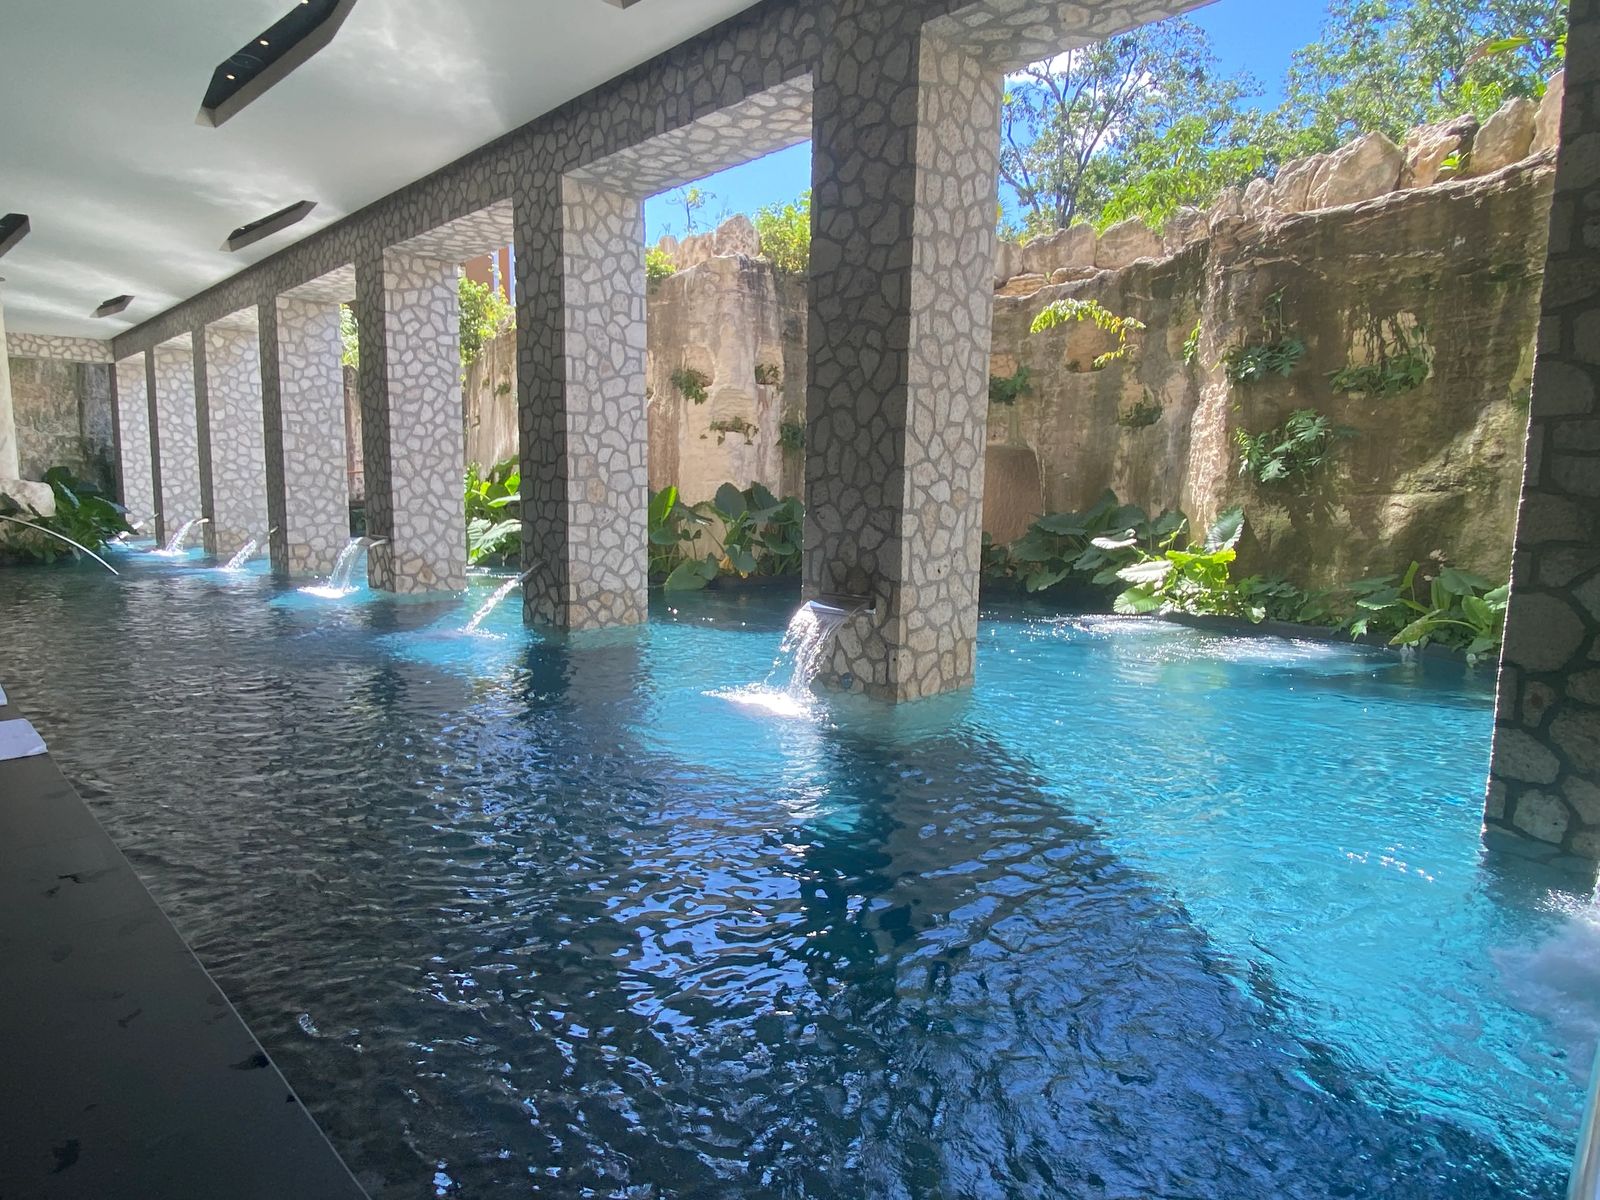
x=238, y=468
x=9, y=458
x=904, y=171
x=308, y=492
x=412, y=441
x=178, y=440
x=133, y=420
x=580, y=375
x=1545, y=774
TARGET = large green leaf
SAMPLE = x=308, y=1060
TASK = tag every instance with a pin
x=1226, y=530
x=760, y=497
x=661, y=506
x=1136, y=601
x=688, y=576
x=743, y=561
x=730, y=501
x=1153, y=571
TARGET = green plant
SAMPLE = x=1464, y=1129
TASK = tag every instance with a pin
x=769, y=374
x=83, y=513
x=722, y=428
x=1191, y=345
x=485, y=314
x=1400, y=360
x=1143, y=412
x=658, y=265
x=743, y=532
x=349, y=338
x=1274, y=351
x=1297, y=449
x=692, y=384
x=784, y=234
x=1068, y=310
x=1061, y=545
x=1450, y=607
x=1170, y=579
x=1008, y=389
x=792, y=436
x=493, y=501
x=995, y=561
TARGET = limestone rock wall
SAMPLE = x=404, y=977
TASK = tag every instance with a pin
x=1434, y=468
x=63, y=415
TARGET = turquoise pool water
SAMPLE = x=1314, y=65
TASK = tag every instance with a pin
x=1151, y=912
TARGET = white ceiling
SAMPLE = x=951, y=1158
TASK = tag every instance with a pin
x=99, y=146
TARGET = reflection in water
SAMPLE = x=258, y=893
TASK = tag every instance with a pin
x=1145, y=915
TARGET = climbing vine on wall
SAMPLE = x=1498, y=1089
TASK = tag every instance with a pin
x=1068, y=310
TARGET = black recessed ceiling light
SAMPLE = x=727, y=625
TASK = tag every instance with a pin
x=269, y=56
x=113, y=306
x=13, y=228
x=268, y=225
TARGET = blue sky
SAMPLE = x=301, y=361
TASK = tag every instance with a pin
x=1257, y=36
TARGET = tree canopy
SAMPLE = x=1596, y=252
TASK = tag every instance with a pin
x=1144, y=123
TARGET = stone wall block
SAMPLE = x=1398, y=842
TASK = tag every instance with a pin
x=1505, y=138
x=1547, y=123
x=1367, y=167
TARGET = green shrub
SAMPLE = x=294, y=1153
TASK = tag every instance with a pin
x=1192, y=580
x=349, y=337
x=1400, y=362
x=84, y=514
x=1453, y=608
x=784, y=231
x=769, y=374
x=1008, y=389
x=741, y=532
x=792, y=436
x=1273, y=351
x=692, y=383
x=485, y=314
x=1060, y=546
x=493, y=504
x=722, y=428
x=658, y=265
x=1295, y=450
x=1142, y=413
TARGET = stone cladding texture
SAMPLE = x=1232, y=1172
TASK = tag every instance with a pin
x=133, y=441
x=178, y=444
x=1545, y=771
x=238, y=464
x=303, y=412
x=57, y=349
x=412, y=442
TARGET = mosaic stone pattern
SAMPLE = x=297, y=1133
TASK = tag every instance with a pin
x=1007, y=34
x=178, y=441
x=57, y=349
x=206, y=534
x=412, y=441
x=133, y=440
x=904, y=193
x=238, y=465
x=760, y=124
x=308, y=501
x=1545, y=774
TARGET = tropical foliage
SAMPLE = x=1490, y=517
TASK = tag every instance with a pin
x=741, y=532
x=494, y=523
x=84, y=513
x=784, y=231
x=1447, y=606
x=1293, y=451
x=658, y=265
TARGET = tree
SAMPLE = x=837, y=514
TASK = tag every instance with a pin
x=784, y=232
x=1069, y=124
x=693, y=200
x=1188, y=164
x=1388, y=65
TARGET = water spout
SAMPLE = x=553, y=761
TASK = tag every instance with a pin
x=500, y=593
x=344, y=568
x=62, y=537
x=243, y=555
x=174, y=544
x=787, y=690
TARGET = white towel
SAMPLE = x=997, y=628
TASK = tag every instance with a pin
x=19, y=739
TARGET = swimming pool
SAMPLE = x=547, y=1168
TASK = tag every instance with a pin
x=1151, y=912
